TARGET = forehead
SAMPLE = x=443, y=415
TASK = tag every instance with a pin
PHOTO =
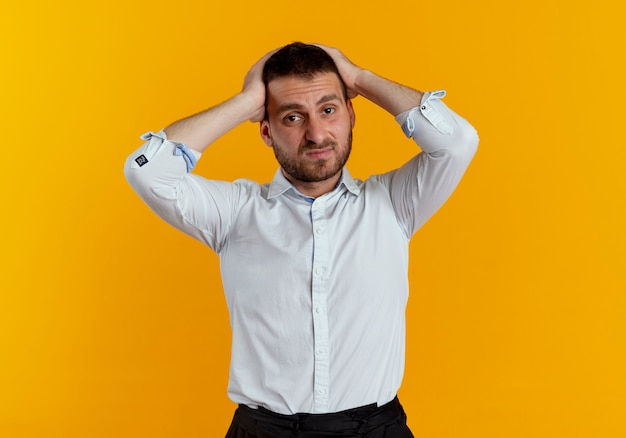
x=302, y=91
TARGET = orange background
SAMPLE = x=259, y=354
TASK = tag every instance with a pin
x=517, y=315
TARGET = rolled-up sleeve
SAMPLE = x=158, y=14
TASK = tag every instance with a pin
x=159, y=172
x=448, y=142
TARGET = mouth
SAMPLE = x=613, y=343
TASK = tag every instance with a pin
x=319, y=154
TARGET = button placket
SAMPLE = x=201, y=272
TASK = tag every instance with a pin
x=319, y=295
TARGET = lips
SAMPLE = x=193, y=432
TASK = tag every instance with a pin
x=319, y=153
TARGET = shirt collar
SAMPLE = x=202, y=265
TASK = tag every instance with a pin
x=280, y=184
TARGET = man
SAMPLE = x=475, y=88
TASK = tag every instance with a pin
x=314, y=264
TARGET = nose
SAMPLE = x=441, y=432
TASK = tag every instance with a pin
x=315, y=131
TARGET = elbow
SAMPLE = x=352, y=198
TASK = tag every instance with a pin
x=471, y=140
x=140, y=179
x=466, y=143
x=131, y=174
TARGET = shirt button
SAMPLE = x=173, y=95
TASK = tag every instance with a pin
x=321, y=351
x=319, y=271
x=321, y=391
x=319, y=230
x=318, y=310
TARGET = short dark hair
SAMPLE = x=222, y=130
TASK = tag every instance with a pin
x=300, y=60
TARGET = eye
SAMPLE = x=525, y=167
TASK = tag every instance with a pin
x=329, y=110
x=292, y=118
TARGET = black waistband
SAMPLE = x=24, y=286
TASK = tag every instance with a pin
x=361, y=419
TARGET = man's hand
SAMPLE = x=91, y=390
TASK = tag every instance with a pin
x=254, y=88
x=202, y=129
x=347, y=69
x=391, y=96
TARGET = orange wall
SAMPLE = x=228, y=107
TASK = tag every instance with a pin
x=517, y=311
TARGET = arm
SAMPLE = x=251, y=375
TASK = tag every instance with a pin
x=158, y=173
x=391, y=96
x=202, y=129
x=448, y=142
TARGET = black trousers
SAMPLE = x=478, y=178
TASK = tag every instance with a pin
x=371, y=421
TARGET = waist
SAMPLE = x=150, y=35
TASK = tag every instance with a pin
x=360, y=419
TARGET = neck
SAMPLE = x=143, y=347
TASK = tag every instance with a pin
x=314, y=189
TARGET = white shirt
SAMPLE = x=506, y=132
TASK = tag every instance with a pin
x=316, y=288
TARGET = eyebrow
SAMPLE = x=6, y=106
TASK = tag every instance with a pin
x=297, y=106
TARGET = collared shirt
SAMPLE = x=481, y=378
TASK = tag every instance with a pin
x=316, y=287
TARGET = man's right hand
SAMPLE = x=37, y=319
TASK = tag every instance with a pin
x=200, y=130
x=254, y=88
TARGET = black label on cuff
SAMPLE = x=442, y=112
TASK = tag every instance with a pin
x=141, y=160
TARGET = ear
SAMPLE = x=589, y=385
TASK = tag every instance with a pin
x=266, y=134
x=351, y=112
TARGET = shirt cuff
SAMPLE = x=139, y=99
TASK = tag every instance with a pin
x=156, y=140
x=428, y=110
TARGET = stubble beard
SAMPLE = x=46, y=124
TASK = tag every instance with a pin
x=314, y=171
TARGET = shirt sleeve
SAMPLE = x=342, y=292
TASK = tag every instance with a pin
x=448, y=142
x=159, y=172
